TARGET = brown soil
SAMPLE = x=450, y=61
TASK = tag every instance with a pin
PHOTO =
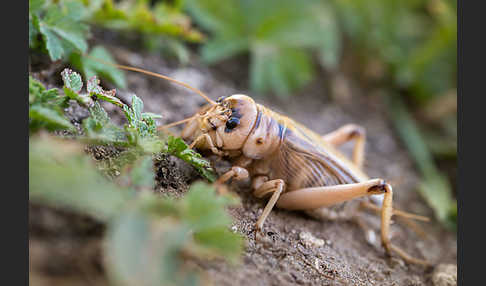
x=65, y=249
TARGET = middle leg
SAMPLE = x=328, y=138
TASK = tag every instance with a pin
x=346, y=133
x=262, y=188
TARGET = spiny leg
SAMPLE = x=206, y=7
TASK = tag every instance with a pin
x=405, y=217
x=275, y=187
x=386, y=214
x=396, y=212
x=346, y=133
x=311, y=198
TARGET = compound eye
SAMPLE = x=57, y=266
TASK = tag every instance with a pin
x=232, y=123
x=220, y=99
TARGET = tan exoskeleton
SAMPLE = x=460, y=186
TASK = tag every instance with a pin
x=296, y=167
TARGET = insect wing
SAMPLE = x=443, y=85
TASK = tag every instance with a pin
x=306, y=160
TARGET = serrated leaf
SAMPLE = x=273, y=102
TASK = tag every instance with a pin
x=73, y=84
x=99, y=115
x=72, y=80
x=54, y=45
x=62, y=29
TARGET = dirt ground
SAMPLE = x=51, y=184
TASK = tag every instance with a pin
x=65, y=249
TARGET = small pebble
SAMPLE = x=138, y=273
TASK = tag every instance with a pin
x=309, y=240
x=445, y=275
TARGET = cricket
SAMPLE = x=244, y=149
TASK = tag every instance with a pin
x=293, y=166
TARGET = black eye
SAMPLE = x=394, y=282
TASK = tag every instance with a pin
x=232, y=123
x=220, y=99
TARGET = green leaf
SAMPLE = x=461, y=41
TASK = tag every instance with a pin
x=99, y=129
x=54, y=45
x=35, y=89
x=139, y=126
x=91, y=67
x=72, y=80
x=73, y=85
x=178, y=148
x=141, y=252
x=35, y=5
x=221, y=241
x=62, y=29
x=45, y=108
x=52, y=119
x=137, y=107
x=61, y=175
x=33, y=32
x=204, y=209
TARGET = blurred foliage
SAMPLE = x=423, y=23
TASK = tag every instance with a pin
x=91, y=68
x=435, y=187
x=149, y=238
x=62, y=29
x=61, y=25
x=161, y=25
x=415, y=41
x=278, y=42
x=46, y=108
x=163, y=18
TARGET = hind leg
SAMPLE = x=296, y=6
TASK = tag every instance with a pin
x=312, y=198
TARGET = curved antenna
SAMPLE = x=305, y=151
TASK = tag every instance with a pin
x=123, y=67
x=174, y=123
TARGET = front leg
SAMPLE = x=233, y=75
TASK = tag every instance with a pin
x=204, y=141
x=237, y=173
